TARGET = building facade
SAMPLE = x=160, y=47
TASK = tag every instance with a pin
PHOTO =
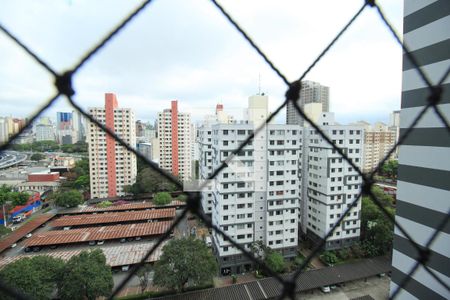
x=174, y=135
x=379, y=139
x=423, y=195
x=64, y=127
x=330, y=184
x=204, y=145
x=44, y=132
x=4, y=131
x=256, y=198
x=311, y=92
x=111, y=166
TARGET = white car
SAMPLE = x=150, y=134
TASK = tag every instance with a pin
x=100, y=242
x=29, y=235
x=325, y=289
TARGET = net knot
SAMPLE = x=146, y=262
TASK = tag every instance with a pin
x=435, y=97
x=64, y=84
x=293, y=93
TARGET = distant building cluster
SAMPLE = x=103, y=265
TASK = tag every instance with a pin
x=286, y=185
x=69, y=128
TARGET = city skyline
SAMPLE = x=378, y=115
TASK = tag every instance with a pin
x=205, y=70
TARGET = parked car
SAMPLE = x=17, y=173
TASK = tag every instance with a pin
x=208, y=241
x=100, y=242
x=91, y=243
x=14, y=245
x=29, y=235
x=125, y=268
x=325, y=289
x=17, y=219
x=123, y=240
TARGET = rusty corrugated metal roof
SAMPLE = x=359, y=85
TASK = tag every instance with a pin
x=114, y=217
x=23, y=230
x=58, y=237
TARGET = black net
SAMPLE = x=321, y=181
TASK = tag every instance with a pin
x=63, y=84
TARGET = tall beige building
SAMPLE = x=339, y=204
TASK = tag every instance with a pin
x=378, y=140
x=174, y=135
x=111, y=166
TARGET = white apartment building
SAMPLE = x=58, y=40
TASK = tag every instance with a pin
x=174, y=135
x=378, y=141
x=111, y=166
x=204, y=146
x=330, y=184
x=256, y=198
x=45, y=132
x=4, y=133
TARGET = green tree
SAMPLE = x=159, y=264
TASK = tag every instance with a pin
x=78, y=176
x=376, y=228
x=82, y=183
x=12, y=198
x=390, y=169
x=70, y=198
x=384, y=198
x=329, y=257
x=37, y=156
x=275, y=261
x=149, y=181
x=36, y=276
x=86, y=276
x=185, y=261
x=162, y=198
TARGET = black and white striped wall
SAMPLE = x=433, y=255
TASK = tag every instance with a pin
x=423, y=198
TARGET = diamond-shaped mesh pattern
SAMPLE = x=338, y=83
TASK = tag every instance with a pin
x=63, y=83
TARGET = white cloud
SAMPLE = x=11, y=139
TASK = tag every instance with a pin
x=187, y=50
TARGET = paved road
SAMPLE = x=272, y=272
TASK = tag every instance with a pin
x=11, y=158
x=377, y=288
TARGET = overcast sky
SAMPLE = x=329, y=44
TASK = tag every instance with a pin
x=186, y=50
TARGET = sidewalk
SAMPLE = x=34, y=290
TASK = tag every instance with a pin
x=315, y=262
x=228, y=280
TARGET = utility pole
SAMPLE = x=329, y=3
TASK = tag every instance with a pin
x=4, y=216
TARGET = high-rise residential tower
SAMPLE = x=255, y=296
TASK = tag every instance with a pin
x=255, y=198
x=423, y=186
x=204, y=146
x=329, y=183
x=311, y=92
x=64, y=128
x=111, y=166
x=174, y=135
x=378, y=141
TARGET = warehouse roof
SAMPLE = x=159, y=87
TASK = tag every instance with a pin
x=26, y=228
x=119, y=255
x=271, y=288
x=121, y=207
x=114, y=217
x=57, y=237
